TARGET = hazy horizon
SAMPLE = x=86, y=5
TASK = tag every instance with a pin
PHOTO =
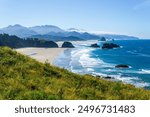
x=129, y=17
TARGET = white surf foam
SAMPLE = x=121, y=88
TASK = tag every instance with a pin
x=142, y=84
x=132, y=80
x=87, y=61
x=90, y=63
x=137, y=82
x=90, y=69
x=144, y=71
x=79, y=52
x=99, y=74
x=85, y=43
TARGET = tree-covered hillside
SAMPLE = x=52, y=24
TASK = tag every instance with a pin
x=16, y=42
x=24, y=78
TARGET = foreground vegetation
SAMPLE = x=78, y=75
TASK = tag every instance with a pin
x=24, y=78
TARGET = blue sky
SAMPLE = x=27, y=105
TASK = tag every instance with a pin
x=130, y=17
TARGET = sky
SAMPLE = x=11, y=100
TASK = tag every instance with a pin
x=131, y=17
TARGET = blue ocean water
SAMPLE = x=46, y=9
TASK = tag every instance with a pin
x=86, y=60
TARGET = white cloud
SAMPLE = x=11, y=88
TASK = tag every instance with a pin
x=145, y=3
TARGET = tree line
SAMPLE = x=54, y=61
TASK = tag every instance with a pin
x=13, y=41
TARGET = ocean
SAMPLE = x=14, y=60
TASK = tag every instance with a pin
x=96, y=61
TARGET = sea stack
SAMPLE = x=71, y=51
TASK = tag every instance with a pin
x=103, y=39
x=110, y=46
x=122, y=66
x=67, y=45
x=95, y=45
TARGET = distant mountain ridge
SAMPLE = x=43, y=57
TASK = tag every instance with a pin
x=45, y=29
x=18, y=30
x=57, y=38
x=50, y=32
x=84, y=35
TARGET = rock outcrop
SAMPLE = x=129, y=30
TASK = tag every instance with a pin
x=67, y=45
x=48, y=44
x=108, y=77
x=122, y=66
x=95, y=45
x=103, y=39
x=110, y=46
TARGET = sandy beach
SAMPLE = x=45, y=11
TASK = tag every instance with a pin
x=41, y=54
x=44, y=54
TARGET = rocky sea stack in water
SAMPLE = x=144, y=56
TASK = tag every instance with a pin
x=122, y=66
x=95, y=45
x=67, y=45
x=110, y=46
x=103, y=39
x=108, y=77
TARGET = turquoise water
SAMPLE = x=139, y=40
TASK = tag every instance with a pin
x=95, y=61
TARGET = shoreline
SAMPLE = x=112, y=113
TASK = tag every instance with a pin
x=27, y=76
x=45, y=54
x=93, y=64
x=41, y=54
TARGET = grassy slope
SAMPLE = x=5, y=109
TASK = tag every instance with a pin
x=24, y=78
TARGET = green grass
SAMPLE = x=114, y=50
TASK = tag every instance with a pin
x=24, y=78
